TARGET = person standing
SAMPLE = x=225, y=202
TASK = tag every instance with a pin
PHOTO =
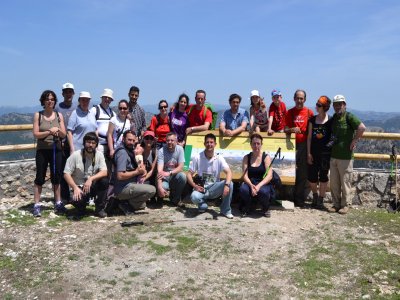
x=198, y=119
x=103, y=114
x=234, y=121
x=277, y=113
x=117, y=126
x=318, y=151
x=171, y=179
x=86, y=174
x=258, y=113
x=347, y=130
x=48, y=129
x=207, y=166
x=160, y=124
x=66, y=108
x=178, y=118
x=136, y=113
x=297, y=123
x=127, y=172
x=80, y=122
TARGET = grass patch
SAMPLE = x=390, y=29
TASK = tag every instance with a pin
x=56, y=222
x=124, y=238
x=186, y=243
x=158, y=248
x=385, y=222
x=21, y=218
x=134, y=274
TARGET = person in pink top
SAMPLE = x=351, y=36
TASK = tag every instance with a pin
x=277, y=113
x=297, y=122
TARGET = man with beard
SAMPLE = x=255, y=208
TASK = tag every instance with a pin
x=171, y=179
x=347, y=130
x=136, y=112
x=86, y=174
x=127, y=171
x=234, y=121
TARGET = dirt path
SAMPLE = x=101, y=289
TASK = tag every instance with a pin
x=293, y=255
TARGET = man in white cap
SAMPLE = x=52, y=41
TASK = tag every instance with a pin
x=66, y=108
x=103, y=114
x=347, y=130
x=80, y=122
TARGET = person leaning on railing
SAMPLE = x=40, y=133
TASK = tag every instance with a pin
x=48, y=129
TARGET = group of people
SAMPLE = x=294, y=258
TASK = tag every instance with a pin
x=96, y=152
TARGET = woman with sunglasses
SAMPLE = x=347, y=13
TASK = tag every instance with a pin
x=149, y=156
x=318, y=151
x=48, y=129
x=179, y=118
x=160, y=124
x=117, y=126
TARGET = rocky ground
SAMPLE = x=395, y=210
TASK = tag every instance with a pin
x=177, y=254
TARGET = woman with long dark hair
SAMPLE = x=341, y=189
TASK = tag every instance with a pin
x=49, y=130
x=160, y=124
x=178, y=118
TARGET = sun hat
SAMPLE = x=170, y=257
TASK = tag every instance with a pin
x=108, y=93
x=147, y=133
x=276, y=92
x=67, y=85
x=339, y=98
x=85, y=95
x=254, y=93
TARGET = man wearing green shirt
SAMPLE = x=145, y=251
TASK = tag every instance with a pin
x=347, y=129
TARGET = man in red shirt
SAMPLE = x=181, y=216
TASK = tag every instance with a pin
x=198, y=120
x=297, y=123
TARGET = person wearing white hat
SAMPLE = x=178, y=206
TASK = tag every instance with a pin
x=103, y=114
x=347, y=129
x=80, y=122
x=258, y=113
x=66, y=108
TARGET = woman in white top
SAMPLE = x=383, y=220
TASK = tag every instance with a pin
x=117, y=126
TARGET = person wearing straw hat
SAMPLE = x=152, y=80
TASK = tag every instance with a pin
x=347, y=130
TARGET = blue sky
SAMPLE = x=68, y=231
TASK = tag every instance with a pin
x=223, y=46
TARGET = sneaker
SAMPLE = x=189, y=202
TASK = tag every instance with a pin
x=228, y=216
x=37, y=211
x=344, y=210
x=59, y=208
x=320, y=203
x=101, y=213
x=332, y=209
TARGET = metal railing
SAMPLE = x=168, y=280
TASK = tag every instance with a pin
x=357, y=156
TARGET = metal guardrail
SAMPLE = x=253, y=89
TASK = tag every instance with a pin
x=357, y=156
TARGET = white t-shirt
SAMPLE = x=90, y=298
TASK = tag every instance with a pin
x=210, y=170
x=103, y=119
x=120, y=127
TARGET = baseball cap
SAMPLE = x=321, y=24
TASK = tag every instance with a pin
x=339, y=98
x=67, y=85
x=148, y=133
x=276, y=92
x=254, y=93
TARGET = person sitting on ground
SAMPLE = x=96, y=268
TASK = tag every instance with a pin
x=234, y=121
x=86, y=174
x=207, y=166
x=48, y=129
x=318, y=151
x=159, y=124
x=171, y=179
x=258, y=113
x=257, y=175
x=178, y=118
x=117, y=126
x=277, y=113
x=131, y=195
x=198, y=120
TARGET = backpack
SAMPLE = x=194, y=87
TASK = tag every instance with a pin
x=213, y=112
x=98, y=113
x=41, y=114
x=158, y=119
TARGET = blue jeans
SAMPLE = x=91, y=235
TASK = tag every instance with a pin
x=212, y=192
x=175, y=184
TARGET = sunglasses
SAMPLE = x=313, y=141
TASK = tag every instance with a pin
x=122, y=108
x=162, y=107
x=319, y=105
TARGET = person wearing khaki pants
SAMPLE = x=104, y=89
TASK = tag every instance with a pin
x=347, y=129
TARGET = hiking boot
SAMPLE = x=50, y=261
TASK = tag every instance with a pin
x=100, y=213
x=299, y=204
x=332, y=209
x=344, y=210
x=59, y=208
x=320, y=203
x=314, y=202
x=37, y=211
x=125, y=208
x=267, y=214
